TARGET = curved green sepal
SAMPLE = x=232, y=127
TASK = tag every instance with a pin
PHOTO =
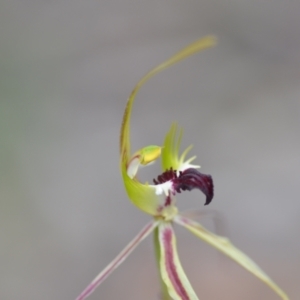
x=197, y=46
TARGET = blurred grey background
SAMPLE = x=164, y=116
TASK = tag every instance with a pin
x=66, y=70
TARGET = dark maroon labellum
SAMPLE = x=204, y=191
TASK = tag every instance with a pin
x=188, y=180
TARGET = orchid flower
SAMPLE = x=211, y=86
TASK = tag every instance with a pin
x=158, y=200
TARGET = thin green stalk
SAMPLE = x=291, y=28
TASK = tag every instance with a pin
x=164, y=289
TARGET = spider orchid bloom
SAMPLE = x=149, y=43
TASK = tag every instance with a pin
x=158, y=200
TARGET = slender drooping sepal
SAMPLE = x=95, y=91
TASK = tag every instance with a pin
x=172, y=273
x=225, y=246
x=118, y=260
x=164, y=294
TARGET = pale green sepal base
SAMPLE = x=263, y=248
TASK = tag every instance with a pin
x=141, y=195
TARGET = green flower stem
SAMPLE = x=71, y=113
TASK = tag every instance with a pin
x=164, y=289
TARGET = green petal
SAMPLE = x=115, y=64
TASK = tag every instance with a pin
x=170, y=151
x=224, y=245
x=178, y=285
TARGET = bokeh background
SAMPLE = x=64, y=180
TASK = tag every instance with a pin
x=66, y=69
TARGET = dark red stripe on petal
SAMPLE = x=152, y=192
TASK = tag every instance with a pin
x=191, y=179
x=170, y=264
